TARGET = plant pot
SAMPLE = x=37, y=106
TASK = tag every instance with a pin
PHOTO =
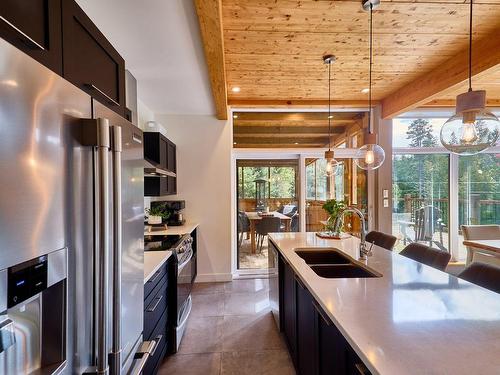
x=154, y=220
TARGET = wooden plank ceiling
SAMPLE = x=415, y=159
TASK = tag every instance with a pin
x=273, y=49
x=290, y=129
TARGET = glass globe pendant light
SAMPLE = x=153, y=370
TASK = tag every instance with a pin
x=472, y=128
x=331, y=163
x=370, y=156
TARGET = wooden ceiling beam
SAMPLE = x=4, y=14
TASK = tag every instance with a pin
x=278, y=131
x=446, y=77
x=271, y=140
x=443, y=103
x=210, y=20
x=307, y=103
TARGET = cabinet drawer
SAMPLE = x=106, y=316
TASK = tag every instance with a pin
x=90, y=61
x=154, y=308
x=154, y=280
x=160, y=336
x=34, y=26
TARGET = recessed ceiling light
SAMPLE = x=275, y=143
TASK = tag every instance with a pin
x=234, y=143
x=365, y=91
x=296, y=143
x=330, y=116
x=235, y=116
x=235, y=89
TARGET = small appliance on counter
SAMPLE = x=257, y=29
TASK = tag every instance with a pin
x=175, y=208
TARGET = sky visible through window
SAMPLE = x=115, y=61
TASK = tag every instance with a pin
x=400, y=128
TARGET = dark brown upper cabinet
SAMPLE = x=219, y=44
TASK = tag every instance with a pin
x=34, y=26
x=90, y=61
x=161, y=152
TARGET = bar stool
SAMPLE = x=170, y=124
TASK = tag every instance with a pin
x=381, y=239
x=424, y=254
x=482, y=274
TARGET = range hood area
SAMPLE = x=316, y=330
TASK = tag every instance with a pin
x=152, y=170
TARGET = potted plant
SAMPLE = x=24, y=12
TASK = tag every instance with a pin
x=156, y=214
x=334, y=208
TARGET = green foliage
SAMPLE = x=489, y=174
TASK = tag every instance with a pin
x=281, y=181
x=420, y=134
x=158, y=210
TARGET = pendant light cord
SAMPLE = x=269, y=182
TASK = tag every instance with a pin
x=329, y=113
x=370, y=76
x=470, y=46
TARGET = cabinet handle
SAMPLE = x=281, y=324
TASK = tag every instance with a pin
x=157, y=340
x=26, y=37
x=155, y=276
x=108, y=98
x=320, y=311
x=153, y=308
x=361, y=368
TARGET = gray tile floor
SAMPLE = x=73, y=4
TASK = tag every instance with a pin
x=230, y=331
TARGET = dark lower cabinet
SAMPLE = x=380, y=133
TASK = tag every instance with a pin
x=34, y=26
x=158, y=315
x=289, y=310
x=90, y=61
x=316, y=345
x=307, y=353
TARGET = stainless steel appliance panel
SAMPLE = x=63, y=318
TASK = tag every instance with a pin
x=274, y=288
x=132, y=209
x=37, y=111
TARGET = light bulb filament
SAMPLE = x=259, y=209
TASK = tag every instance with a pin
x=369, y=157
x=469, y=133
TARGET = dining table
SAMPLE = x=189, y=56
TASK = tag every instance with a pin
x=490, y=246
x=255, y=217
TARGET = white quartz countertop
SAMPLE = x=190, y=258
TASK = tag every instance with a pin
x=153, y=260
x=172, y=230
x=412, y=320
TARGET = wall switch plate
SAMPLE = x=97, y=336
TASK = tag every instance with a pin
x=386, y=202
x=385, y=193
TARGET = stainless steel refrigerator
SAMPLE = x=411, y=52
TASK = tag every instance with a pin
x=72, y=208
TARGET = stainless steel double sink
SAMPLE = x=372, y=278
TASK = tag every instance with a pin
x=331, y=263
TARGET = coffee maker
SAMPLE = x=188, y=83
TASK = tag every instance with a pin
x=175, y=208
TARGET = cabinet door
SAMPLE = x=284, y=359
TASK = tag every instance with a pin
x=34, y=26
x=89, y=61
x=332, y=347
x=163, y=152
x=171, y=157
x=290, y=313
x=307, y=356
x=171, y=185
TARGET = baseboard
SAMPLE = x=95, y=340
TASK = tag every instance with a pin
x=213, y=277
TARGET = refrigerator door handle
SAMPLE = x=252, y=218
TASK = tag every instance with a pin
x=116, y=152
x=102, y=251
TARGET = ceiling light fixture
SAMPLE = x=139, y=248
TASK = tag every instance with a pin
x=235, y=116
x=471, y=129
x=365, y=91
x=331, y=163
x=235, y=89
x=370, y=156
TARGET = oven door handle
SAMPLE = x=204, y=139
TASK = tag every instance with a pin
x=183, y=264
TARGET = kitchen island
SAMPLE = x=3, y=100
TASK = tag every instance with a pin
x=408, y=318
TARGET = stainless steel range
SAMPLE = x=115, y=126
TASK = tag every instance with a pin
x=184, y=275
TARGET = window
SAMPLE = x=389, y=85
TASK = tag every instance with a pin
x=281, y=180
x=435, y=191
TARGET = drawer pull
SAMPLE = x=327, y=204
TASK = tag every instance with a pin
x=158, y=340
x=155, y=276
x=26, y=37
x=361, y=368
x=108, y=98
x=153, y=308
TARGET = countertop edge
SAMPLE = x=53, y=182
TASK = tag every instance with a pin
x=157, y=259
x=174, y=230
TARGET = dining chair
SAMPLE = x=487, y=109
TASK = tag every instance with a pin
x=243, y=226
x=264, y=226
x=482, y=274
x=425, y=254
x=480, y=232
x=384, y=240
x=428, y=220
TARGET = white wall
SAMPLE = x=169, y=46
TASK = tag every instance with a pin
x=204, y=181
x=144, y=114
